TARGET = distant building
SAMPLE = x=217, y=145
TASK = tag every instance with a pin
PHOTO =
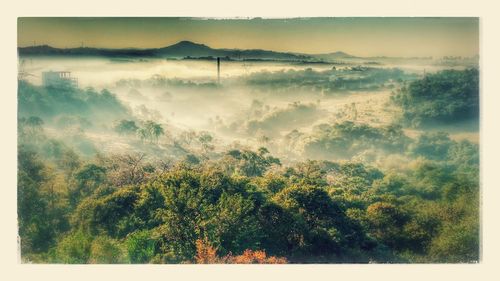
x=58, y=79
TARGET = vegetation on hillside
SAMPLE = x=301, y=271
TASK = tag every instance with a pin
x=356, y=193
x=244, y=206
x=446, y=96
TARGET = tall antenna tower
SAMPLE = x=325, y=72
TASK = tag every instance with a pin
x=218, y=70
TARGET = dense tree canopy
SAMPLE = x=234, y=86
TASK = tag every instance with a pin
x=346, y=139
x=179, y=196
x=52, y=102
x=446, y=96
x=245, y=207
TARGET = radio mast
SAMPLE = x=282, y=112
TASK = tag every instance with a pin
x=218, y=70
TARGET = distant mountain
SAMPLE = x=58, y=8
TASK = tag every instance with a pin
x=335, y=56
x=45, y=50
x=181, y=49
x=186, y=48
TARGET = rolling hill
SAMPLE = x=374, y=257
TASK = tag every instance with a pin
x=181, y=49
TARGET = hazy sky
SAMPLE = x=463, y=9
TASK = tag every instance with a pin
x=357, y=36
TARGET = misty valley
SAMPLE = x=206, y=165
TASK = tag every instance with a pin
x=327, y=159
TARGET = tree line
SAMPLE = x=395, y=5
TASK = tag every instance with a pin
x=243, y=207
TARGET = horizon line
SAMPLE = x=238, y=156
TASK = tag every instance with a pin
x=238, y=49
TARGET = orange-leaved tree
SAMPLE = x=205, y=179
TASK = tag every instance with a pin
x=206, y=254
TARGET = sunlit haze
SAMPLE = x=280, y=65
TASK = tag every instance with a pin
x=357, y=36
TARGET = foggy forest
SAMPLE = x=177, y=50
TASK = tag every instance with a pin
x=194, y=154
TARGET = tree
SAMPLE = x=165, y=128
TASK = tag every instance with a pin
x=187, y=137
x=156, y=131
x=283, y=233
x=328, y=232
x=205, y=205
x=346, y=139
x=256, y=257
x=151, y=131
x=125, y=169
x=126, y=127
x=233, y=226
x=457, y=243
x=446, y=96
x=386, y=224
x=205, y=140
x=206, y=254
x=108, y=212
x=74, y=248
x=433, y=146
x=34, y=228
x=143, y=134
x=31, y=128
x=253, y=164
x=140, y=247
x=87, y=179
x=105, y=250
x=458, y=239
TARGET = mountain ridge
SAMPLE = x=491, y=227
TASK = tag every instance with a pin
x=180, y=49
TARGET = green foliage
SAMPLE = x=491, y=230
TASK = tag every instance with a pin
x=206, y=205
x=252, y=164
x=140, y=247
x=32, y=207
x=74, y=248
x=465, y=156
x=327, y=81
x=433, y=146
x=457, y=243
x=41, y=204
x=30, y=128
x=124, y=209
x=272, y=182
x=309, y=173
x=327, y=232
x=346, y=139
x=50, y=102
x=296, y=114
x=151, y=132
x=198, y=203
x=282, y=233
x=108, y=214
x=446, y=96
x=391, y=184
x=87, y=179
x=458, y=238
x=386, y=222
x=126, y=127
x=205, y=140
x=233, y=226
x=106, y=250
x=191, y=159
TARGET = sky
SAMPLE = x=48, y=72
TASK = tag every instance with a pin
x=357, y=36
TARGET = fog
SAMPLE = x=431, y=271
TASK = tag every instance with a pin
x=278, y=105
x=189, y=154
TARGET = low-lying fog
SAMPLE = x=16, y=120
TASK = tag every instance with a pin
x=256, y=103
